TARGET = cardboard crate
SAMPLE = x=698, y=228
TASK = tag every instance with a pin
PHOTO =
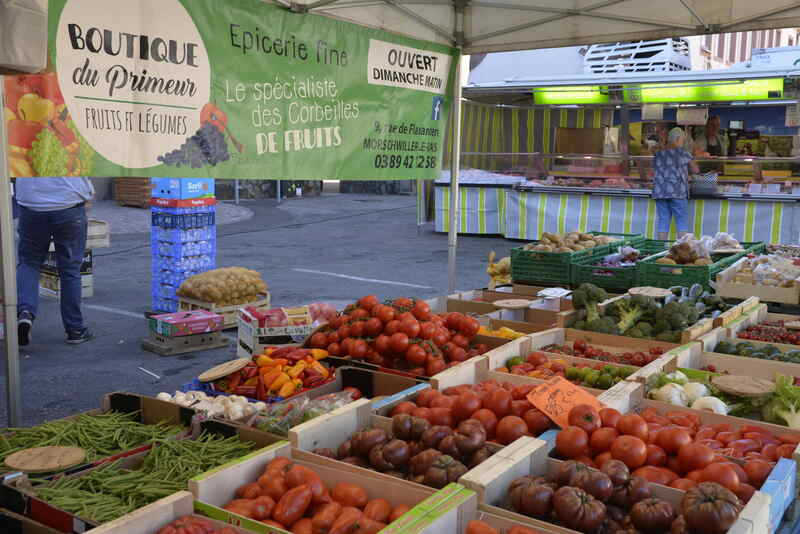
x=98, y=234
x=11, y=523
x=253, y=339
x=492, y=478
x=727, y=287
x=780, y=485
x=50, y=285
x=68, y=523
x=729, y=363
x=215, y=489
x=132, y=192
x=229, y=313
x=452, y=303
x=183, y=188
x=151, y=518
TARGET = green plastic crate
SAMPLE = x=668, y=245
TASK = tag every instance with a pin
x=615, y=278
x=659, y=275
x=533, y=267
x=634, y=240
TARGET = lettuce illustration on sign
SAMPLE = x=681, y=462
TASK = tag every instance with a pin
x=48, y=156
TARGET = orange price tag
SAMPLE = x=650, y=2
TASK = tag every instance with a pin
x=558, y=396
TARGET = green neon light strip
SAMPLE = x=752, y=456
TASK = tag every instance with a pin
x=588, y=94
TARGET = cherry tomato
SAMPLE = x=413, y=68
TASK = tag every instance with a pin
x=398, y=342
x=416, y=355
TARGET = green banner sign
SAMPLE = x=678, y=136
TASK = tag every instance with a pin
x=233, y=89
x=706, y=91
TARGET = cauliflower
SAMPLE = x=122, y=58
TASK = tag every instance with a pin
x=672, y=394
x=695, y=390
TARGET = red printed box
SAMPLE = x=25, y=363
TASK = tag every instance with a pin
x=182, y=203
x=185, y=323
x=277, y=321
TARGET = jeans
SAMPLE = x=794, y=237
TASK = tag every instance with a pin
x=67, y=229
x=666, y=208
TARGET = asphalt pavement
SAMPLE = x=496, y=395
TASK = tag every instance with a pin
x=332, y=248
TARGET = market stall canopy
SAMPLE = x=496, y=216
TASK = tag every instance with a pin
x=480, y=26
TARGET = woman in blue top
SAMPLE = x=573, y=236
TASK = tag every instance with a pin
x=671, y=184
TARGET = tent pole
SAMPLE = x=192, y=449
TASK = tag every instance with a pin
x=9, y=278
x=455, y=161
x=420, y=205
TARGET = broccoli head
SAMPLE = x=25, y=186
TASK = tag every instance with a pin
x=645, y=328
x=629, y=313
x=669, y=337
x=579, y=325
x=661, y=325
x=603, y=325
x=587, y=297
x=635, y=332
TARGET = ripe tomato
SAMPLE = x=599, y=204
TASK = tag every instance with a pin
x=443, y=401
x=510, y=428
x=403, y=407
x=487, y=419
x=630, y=450
x=465, y=405
x=359, y=349
x=381, y=344
x=584, y=416
x=319, y=341
x=537, y=421
x=453, y=320
x=655, y=455
x=410, y=327
x=469, y=327
x=520, y=407
x=602, y=458
x=460, y=341
x=609, y=416
x=457, y=354
x=441, y=416
x=692, y=456
x=434, y=366
x=498, y=401
x=384, y=313
x=392, y=327
x=537, y=358
x=398, y=342
x=403, y=303
x=441, y=337
x=705, y=432
x=572, y=442
x=757, y=472
x=672, y=439
x=601, y=440
x=633, y=425
x=683, y=484
x=359, y=313
x=721, y=473
x=770, y=451
x=786, y=450
x=357, y=329
x=421, y=310
x=334, y=349
x=416, y=355
x=745, y=492
x=368, y=302
x=421, y=412
x=373, y=326
x=427, y=396
x=343, y=331
x=657, y=475
x=427, y=330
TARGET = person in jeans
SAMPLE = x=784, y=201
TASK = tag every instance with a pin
x=671, y=184
x=52, y=210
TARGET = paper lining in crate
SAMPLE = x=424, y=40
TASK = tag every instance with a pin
x=493, y=477
x=229, y=313
x=729, y=284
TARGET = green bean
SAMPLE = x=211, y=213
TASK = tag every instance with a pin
x=100, y=435
x=108, y=491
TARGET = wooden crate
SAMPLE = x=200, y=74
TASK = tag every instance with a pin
x=11, y=523
x=228, y=313
x=173, y=346
x=728, y=288
x=134, y=192
x=98, y=234
x=492, y=478
x=50, y=285
x=159, y=514
x=213, y=490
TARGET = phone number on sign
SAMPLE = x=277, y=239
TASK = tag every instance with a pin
x=395, y=161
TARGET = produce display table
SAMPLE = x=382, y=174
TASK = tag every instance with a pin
x=502, y=210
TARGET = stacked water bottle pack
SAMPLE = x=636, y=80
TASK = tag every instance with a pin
x=183, y=242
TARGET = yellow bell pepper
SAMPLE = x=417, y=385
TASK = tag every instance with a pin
x=269, y=375
x=298, y=368
x=279, y=382
x=298, y=383
x=287, y=389
x=269, y=351
x=264, y=361
x=320, y=368
x=319, y=354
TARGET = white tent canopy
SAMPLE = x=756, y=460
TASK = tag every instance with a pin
x=475, y=26
x=501, y=25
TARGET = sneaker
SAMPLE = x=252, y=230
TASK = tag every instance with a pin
x=81, y=336
x=24, y=327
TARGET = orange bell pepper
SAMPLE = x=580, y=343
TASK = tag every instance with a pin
x=280, y=362
x=251, y=382
x=298, y=368
x=264, y=361
x=321, y=369
x=269, y=376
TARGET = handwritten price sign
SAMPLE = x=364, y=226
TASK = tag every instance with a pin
x=558, y=396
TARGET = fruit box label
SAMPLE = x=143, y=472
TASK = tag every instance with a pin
x=558, y=396
x=278, y=321
x=185, y=323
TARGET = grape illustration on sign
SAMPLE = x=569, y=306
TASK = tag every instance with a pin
x=137, y=83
